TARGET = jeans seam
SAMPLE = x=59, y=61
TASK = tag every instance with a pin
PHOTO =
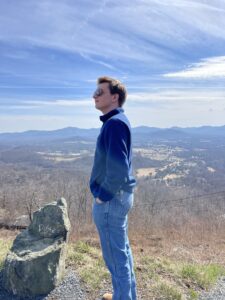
x=111, y=252
x=106, y=216
x=114, y=264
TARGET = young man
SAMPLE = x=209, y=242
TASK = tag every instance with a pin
x=112, y=185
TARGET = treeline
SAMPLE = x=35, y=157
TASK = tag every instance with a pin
x=191, y=205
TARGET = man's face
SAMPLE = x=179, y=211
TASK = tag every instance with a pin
x=104, y=100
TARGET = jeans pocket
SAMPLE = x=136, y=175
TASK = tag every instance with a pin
x=126, y=201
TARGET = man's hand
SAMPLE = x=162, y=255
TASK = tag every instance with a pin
x=99, y=201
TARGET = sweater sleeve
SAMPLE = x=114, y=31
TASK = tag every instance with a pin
x=117, y=140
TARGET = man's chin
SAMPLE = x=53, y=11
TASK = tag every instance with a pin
x=97, y=107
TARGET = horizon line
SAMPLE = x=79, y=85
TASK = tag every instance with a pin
x=74, y=127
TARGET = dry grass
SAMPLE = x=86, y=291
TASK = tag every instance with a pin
x=170, y=263
x=165, y=268
x=176, y=263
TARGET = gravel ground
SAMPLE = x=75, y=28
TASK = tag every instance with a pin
x=69, y=289
x=217, y=293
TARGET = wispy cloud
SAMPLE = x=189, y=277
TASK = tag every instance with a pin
x=43, y=104
x=24, y=122
x=164, y=98
x=208, y=68
x=107, y=65
x=52, y=51
x=64, y=103
x=178, y=96
x=142, y=30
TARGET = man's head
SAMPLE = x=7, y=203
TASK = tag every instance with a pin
x=110, y=94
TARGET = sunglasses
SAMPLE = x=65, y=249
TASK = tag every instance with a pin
x=99, y=92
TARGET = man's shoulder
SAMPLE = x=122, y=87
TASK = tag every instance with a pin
x=116, y=122
x=116, y=128
x=120, y=118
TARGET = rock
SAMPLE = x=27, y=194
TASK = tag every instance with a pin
x=35, y=264
x=22, y=221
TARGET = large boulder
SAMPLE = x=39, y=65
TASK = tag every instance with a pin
x=36, y=262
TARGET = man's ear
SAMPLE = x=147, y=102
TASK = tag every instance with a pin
x=115, y=97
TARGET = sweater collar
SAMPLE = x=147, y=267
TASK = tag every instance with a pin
x=111, y=113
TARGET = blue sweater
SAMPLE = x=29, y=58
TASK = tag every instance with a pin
x=112, y=168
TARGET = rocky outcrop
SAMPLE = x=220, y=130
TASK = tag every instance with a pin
x=36, y=262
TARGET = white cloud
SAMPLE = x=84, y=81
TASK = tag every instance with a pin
x=160, y=108
x=87, y=57
x=172, y=98
x=177, y=107
x=12, y=123
x=42, y=105
x=206, y=69
x=64, y=103
x=185, y=116
x=178, y=97
x=147, y=31
x=139, y=40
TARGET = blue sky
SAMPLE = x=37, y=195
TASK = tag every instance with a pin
x=169, y=53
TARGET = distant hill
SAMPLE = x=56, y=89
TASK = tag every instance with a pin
x=204, y=130
x=42, y=135
x=140, y=133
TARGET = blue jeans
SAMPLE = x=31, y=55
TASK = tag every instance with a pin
x=111, y=220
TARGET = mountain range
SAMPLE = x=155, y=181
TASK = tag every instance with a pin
x=140, y=132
